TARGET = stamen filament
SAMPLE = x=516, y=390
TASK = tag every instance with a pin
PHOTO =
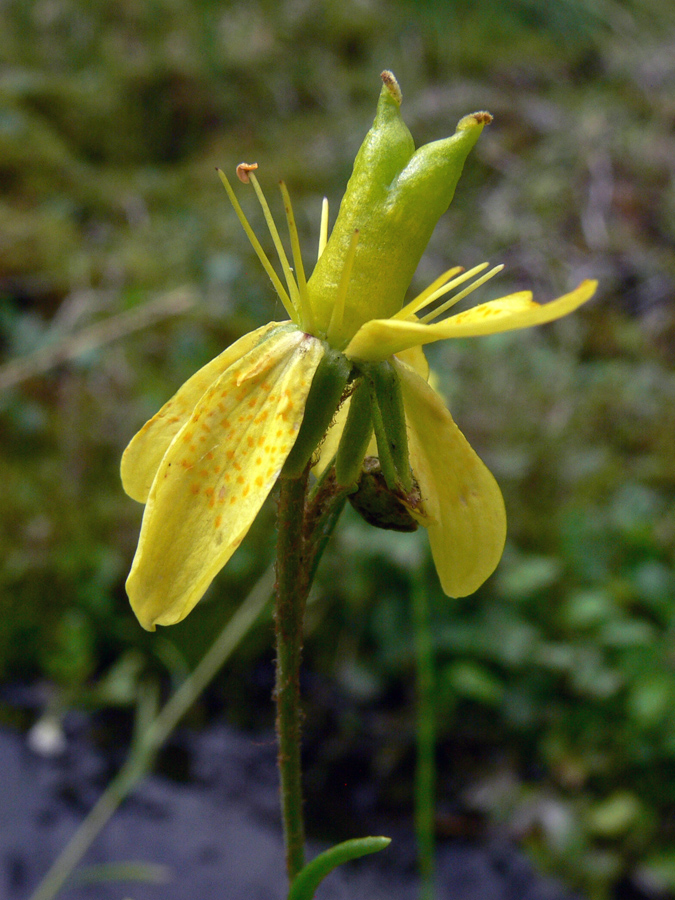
x=421, y=299
x=323, y=228
x=444, y=307
x=305, y=308
x=281, y=253
x=337, y=314
x=255, y=243
x=451, y=285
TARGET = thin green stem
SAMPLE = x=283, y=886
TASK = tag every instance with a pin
x=425, y=773
x=152, y=738
x=291, y=595
x=305, y=525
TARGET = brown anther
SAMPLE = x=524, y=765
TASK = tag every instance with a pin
x=243, y=169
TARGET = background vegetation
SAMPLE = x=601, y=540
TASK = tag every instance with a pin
x=556, y=681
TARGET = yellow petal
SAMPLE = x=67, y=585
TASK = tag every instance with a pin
x=329, y=445
x=142, y=457
x=415, y=358
x=380, y=338
x=216, y=474
x=466, y=517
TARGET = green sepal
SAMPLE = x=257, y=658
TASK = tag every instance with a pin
x=310, y=877
x=328, y=385
x=355, y=437
x=389, y=423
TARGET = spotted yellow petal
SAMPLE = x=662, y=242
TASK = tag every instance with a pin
x=380, y=338
x=217, y=472
x=466, y=520
x=142, y=457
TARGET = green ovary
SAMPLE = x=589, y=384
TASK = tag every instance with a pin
x=394, y=199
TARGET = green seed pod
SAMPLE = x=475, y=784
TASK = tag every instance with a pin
x=394, y=198
x=355, y=437
x=389, y=423
x=328, y=384
x=378, y=505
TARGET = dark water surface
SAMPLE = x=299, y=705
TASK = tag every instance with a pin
x=217, y=834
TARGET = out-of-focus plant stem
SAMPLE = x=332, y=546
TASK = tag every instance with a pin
x=150, y=739
x=425, y=773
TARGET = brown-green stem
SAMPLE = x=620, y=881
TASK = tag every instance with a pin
x=291, y=595
x=305, y=525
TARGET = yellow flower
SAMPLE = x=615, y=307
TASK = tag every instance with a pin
x=207, y=461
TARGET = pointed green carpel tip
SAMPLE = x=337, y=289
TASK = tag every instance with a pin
x=390, y=84
x=471, y=121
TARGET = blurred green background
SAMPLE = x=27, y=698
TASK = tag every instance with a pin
x=557, y=679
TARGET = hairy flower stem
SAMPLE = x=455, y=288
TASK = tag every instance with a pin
x=304, y=527
x=425, y=772
x=292, y=588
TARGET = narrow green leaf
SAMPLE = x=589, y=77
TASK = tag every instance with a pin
x=307, y=881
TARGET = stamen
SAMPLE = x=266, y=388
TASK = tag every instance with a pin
x=305, y=308
x=255, y=243
x=339, y=307
x=281, y=253
x=444, y=307
x=323, y=228
x=451, y=285
x=421, y=300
